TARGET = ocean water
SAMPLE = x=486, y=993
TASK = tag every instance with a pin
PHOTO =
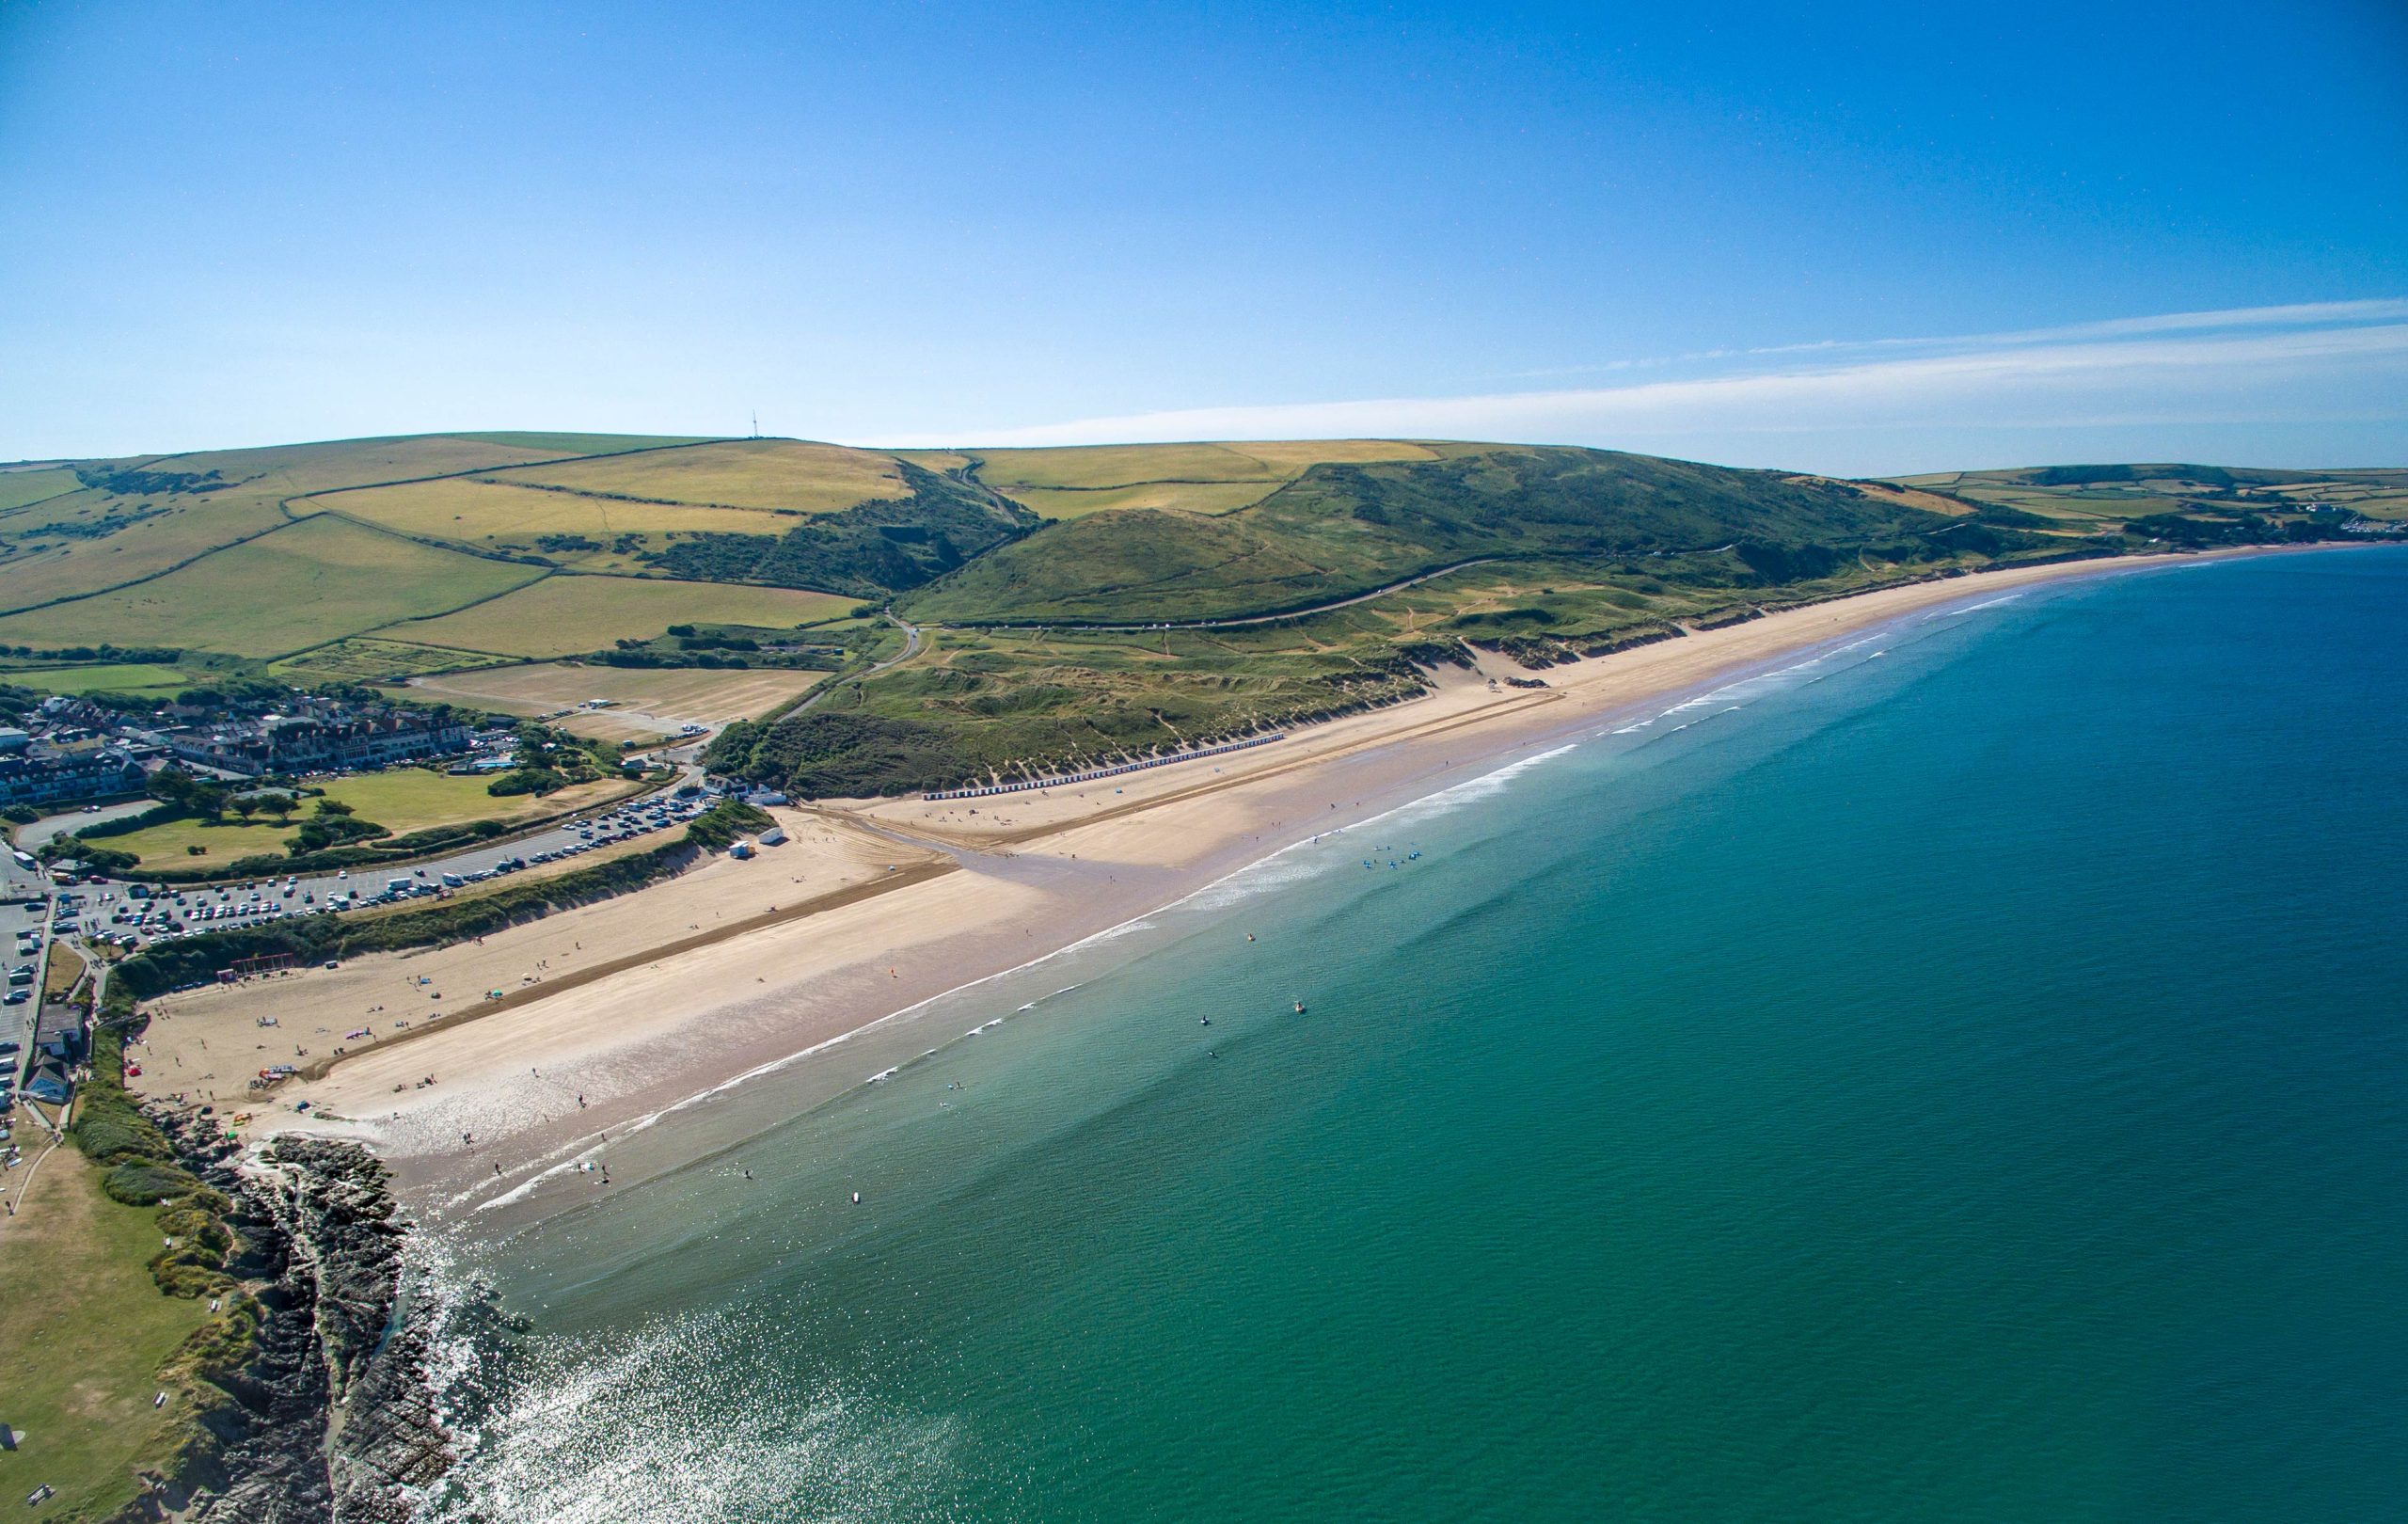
x=1963, y=1077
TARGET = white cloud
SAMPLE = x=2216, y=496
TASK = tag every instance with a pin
x=2298, y=363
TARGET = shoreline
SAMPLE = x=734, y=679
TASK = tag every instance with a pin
x=669, y=1032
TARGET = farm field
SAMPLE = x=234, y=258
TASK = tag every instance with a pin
x=1193, y=478
x=49, y=567
x=149, y=513
x=581, y=444
x=364, y=659
x=288, y=470
x=496, y=513
x=303, y=585
x=2104, y=496
x=83, y=1335
x=566, y=614
x=109, y=677
x=646, y=701
x=18, y=488
x=734, y=473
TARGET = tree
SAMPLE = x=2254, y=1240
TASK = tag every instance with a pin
x=245, y=805
x=279, y=806
x=171, y=785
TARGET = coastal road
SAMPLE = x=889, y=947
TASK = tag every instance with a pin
x=1234, y=623
x=836, y=680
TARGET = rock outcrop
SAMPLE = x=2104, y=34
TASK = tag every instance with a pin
x=331, y=1420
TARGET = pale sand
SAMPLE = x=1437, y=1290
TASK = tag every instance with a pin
x=1041, y=870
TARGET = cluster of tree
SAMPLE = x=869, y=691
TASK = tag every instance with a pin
x=549, y=759
x=691, y=638
x=103, y=652
x=686, y=645
x=883, y=545
x=141, y=484
x=206, y=799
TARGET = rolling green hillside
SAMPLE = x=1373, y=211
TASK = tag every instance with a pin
x=1344, y=529
x=1305, y=578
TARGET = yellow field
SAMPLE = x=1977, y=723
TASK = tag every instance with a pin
x=1905, y=496
x=738, y=473
x=1186, y=497
x=490, y=511
x=286, y=470
x=311, y=583
x=565, y=615
x=646, y=701
x=1195, y=478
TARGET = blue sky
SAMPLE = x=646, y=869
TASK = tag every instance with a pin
x=1850, y=237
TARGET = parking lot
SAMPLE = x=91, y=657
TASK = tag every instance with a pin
x=132, y=915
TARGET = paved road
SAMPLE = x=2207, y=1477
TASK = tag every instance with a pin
x=29, y=837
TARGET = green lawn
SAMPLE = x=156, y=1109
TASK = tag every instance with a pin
x=412, y=798
x=402, y=799
x=83, y=1334
x=105, y=677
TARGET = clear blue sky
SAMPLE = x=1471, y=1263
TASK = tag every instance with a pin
x=1854, y=237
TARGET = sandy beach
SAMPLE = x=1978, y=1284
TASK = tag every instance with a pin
x=612, y=1013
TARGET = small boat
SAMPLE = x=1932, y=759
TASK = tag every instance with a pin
x=1300, y=1008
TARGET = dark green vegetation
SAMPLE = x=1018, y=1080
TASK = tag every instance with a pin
x=882, y=545
x=311, y=938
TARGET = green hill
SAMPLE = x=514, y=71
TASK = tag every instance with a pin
x=1338, y=530
x=1306, y=577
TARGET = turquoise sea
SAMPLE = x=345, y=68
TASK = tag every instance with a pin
x=1960, y=1078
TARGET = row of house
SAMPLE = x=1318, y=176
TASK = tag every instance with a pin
x=315, y=742
x=42, y=774
x=72, y=749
